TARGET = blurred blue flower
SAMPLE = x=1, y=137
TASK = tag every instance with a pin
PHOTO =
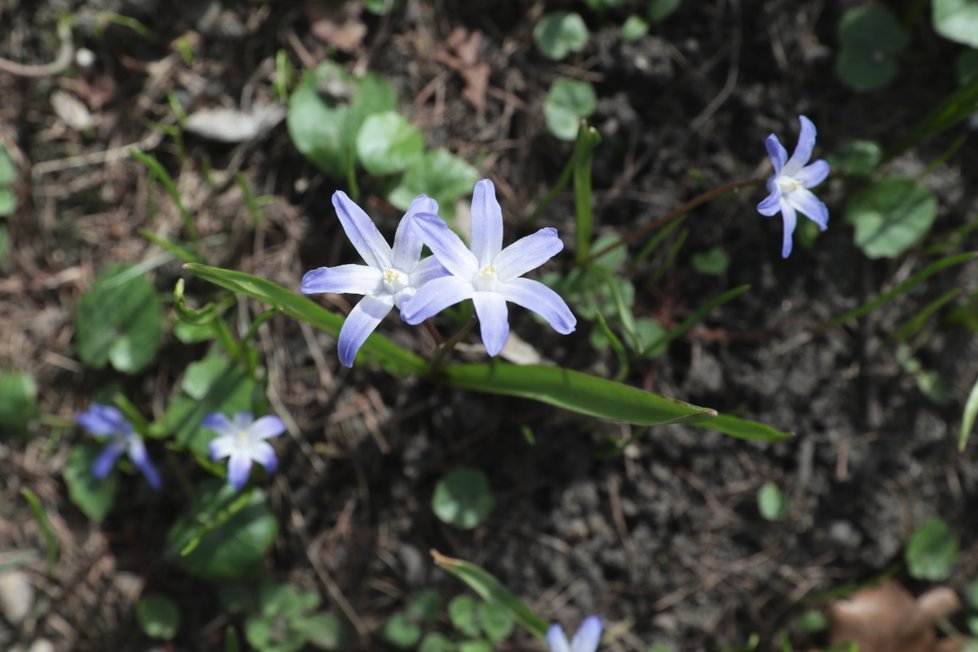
x=107, y=422
x=390, y=277
x=488, y=274
x=790, y=183
x=586, y=639
x=242, y=440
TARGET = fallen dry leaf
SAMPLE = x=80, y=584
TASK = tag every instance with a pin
x=461, y=54
x=337, y=24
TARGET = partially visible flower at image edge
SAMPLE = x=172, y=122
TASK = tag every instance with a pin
x=107, y=422
x=487, y=273
x=790, y=183
x=586, y=639
x=391, y=276
x=242, y=440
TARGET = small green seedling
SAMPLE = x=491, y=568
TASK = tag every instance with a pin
x=463, y=498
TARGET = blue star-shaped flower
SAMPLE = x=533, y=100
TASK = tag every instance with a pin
x=790, y=183
x=107, y=422
x=586, y=639
x=242, y=441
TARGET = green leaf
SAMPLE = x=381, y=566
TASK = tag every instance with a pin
x=966, y=67
x=234, y=532
x=871, y=38
x=659, y=10
x=8, y=171
x=568, y=101
x=400, y=631
x=435, y=642
x=560, y=33
x=8, y=201
x=712, y=262
x=94, y=497
x=490, y=590
x=18, y=400
x=968, y=417
x=971, y=593
x=323, y=630
x=438, y=174
x=771, y=502
x=463, y=499
x=633, y=29
x=931, y=551
x=497, y=622
x=856, y=158
x=119, y=320
x=812, y=621
x=4, y=244
x=424, y=606
x=957, y=20
x=387, y=143
x=462, y=612
x=891, y=216
x=744, y=428
x=158, y=616
x=474, y=646
x=377, y=348
x=327, y=109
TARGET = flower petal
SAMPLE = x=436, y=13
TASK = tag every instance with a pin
x=557, y=640
x=239, y=468
x=343, y=279
x=493, y=320
x=771, y=204
x=446, y=245
x=790, y=219
x=242, y=421
x=487, y=223
x=407, y=239
x=362, y=232
x=435, y=296
x=219, y=424
x=588, y=635
x=263, y=453
x=139, y=457
x=777, y=152
x=814, y=174
x=266, y=427
x=427, y=270
x=359, y=324
x=101, y=420
x=222, y=447
x=527, y=253
x=805, y=202
x=106, y=460
x=803, y=150
x=535, y=296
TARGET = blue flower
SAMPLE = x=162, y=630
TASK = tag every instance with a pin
x=243, y=442
x=790, y=183
x=488, y=274
x=390, y=277
x=586, y=639
x=107, y=422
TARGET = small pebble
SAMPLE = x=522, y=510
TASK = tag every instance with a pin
x=16, y=596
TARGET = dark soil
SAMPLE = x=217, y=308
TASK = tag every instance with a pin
x=664, y=540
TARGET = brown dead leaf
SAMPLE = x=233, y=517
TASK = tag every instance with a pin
x=461, y=54
x=337, y=23
x=887, y=618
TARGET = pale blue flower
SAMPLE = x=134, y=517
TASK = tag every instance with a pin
x=586, y=639
x=488, y=274
x=790, y=183
x=390, y=277
x=242, y=441
x=107, y=422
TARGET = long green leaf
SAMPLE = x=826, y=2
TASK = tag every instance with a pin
x=588, y=139
x=958, y=106
x=492, y=591
x=377, y=348
x=969, y=416
x=50, y=541
x=698, y=315
x=575, y=391
x=744, y=428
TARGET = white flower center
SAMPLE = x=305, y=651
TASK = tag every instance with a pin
x=394, y=280
x=788, y=185
x=486, y=280
x=242, y=438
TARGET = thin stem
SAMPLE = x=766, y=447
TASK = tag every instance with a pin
x=699, y=200
x=433, y=331
x=437, y=359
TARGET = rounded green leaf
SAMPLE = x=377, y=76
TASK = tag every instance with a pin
x=956, y=20
x=438, y=174
x=931, y=551
x=226, y=532
x=871, y=38
x=8, y=171
x=119, y=320
x=18, y=400
x=401, y=631
x=8, y=201
x=158, y=616
x=659, y=10
x=387, y=142
x=496, y=620
x=474, y=646
x=462, y=611
x=712, y=262
x=891, y=216
x=856, y=158
x=633, y=29
x=568, y=101
x=436, y=643
x=560, y=33
x=322, y=630
x=94, y=497
x=771, y=502
x=463, y=498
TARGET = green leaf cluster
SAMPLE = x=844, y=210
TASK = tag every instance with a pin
x=871, y=39
x=287, y=620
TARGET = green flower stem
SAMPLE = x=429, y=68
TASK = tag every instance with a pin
x=438, y=357
x=646, y=229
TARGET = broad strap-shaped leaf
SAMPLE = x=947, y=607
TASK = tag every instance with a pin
x=379, y=349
